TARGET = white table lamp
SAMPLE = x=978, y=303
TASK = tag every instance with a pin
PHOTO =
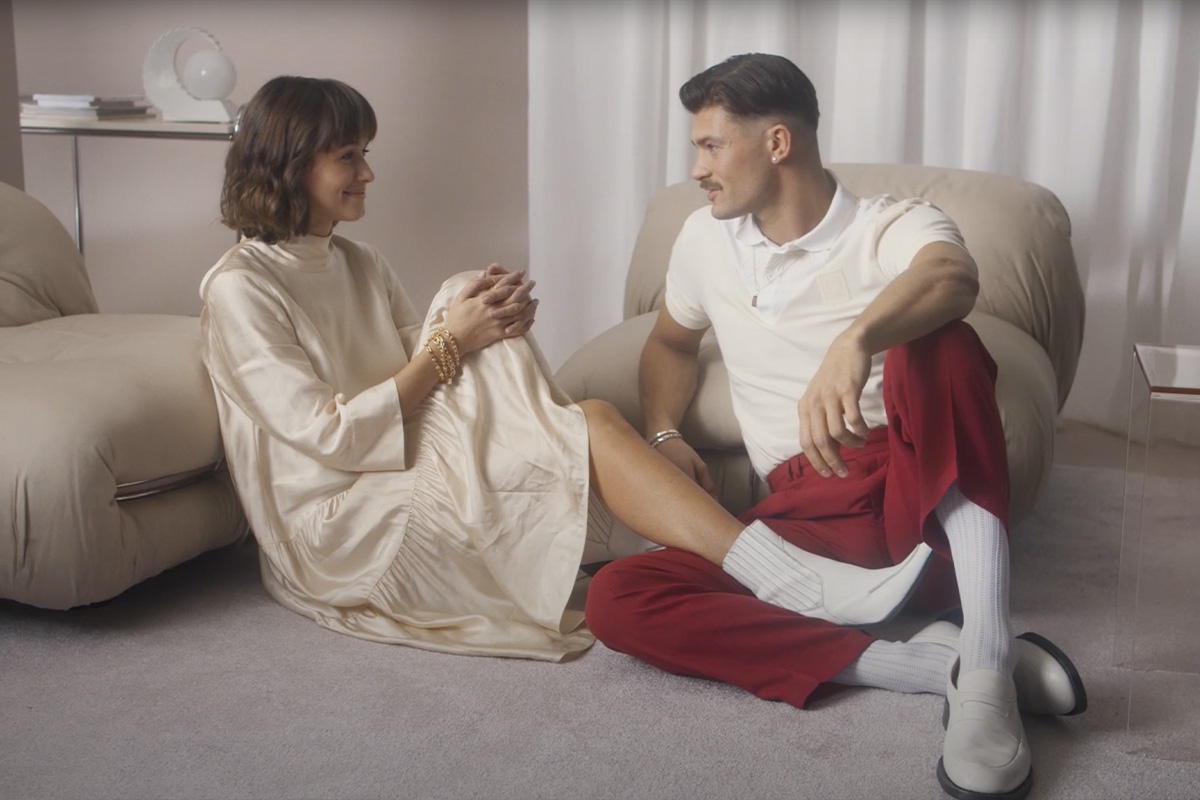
x=208, y=78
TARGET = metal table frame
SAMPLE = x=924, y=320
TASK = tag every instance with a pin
x=129, y=127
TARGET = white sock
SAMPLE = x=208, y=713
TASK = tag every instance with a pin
x=912, y=668
x=979, y=546
x=760, y=560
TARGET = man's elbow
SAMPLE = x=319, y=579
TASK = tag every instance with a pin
x=961, y=282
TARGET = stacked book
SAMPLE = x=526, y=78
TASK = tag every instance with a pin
x=83, y=106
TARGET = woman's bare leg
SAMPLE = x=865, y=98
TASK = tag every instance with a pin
x=649, y=494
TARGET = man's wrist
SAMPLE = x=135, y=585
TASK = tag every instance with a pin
x=663, y=435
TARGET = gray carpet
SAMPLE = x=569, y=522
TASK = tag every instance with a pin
x=197, y=685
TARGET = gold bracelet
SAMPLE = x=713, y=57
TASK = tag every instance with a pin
x=437, y=362
x=444, y=351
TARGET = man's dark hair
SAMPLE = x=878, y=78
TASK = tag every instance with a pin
x=754, y=85
x=287, y=122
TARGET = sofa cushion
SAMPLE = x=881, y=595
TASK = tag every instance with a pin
x=128, y=390
x=41, y=272
x=99, y=409
x=607, y=368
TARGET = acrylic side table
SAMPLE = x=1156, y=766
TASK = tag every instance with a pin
x=1158, y=590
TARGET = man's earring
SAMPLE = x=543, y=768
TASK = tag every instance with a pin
x=774, y=159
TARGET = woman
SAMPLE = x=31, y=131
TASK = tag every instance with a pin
x=424, y=481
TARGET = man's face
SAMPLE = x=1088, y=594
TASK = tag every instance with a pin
x=732, y=162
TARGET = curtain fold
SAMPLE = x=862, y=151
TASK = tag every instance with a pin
x=1094, y=99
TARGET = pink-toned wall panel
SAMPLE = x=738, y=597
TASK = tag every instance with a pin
x=448, y=81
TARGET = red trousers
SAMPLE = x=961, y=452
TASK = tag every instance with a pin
x=677, y=611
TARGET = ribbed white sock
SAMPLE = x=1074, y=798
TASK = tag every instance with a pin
x=912, y=668
x=760, y=560
x=979, y=546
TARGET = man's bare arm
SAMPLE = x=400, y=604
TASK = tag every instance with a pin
x=667, y=377
x=939, y=286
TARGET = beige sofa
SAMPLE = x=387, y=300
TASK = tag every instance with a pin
x=1029, y=315
x=110, y=451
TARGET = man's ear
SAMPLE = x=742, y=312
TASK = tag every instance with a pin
x=779, y=142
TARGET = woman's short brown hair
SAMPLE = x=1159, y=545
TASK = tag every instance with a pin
x=287, y=122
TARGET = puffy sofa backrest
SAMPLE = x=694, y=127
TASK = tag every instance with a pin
x=41, y=272
x=1034, y=287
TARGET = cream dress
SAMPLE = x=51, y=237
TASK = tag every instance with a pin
x=460, y=530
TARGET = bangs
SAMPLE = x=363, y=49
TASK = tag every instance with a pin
x=345, y=117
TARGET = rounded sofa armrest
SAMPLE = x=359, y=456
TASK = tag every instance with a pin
x=606, y=368
x=41, y=272
x=1027, y=395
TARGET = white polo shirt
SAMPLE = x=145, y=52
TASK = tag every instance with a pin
x=775, y=309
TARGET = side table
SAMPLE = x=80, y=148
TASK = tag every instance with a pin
x=1158, y=590
x=146, y=127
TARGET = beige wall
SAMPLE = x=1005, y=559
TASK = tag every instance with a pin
x=11, y=169
x=447, y=80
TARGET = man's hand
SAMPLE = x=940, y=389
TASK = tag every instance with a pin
x=830, y=417
x=681, y=454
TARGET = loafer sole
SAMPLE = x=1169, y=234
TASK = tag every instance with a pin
x=1081, y=700
x=954, y=790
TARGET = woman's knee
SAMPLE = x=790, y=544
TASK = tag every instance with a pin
x=602, y=417
x=445, y=296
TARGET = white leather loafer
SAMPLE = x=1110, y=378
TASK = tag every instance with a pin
x=1046, y=679
x=985, y=755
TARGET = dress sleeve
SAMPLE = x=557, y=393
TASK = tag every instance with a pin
x=909, y=226
x=404, y=315
x=255, y=358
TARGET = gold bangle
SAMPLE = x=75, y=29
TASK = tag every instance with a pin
x=444, y=351
x=437, y=362
x=448, y=345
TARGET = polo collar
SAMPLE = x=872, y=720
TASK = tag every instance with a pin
x=821, y=238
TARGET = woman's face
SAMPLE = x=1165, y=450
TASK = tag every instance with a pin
x=337, y=187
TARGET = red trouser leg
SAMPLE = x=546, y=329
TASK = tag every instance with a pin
x=682, y=614
x=678, y=612
x=939, y=393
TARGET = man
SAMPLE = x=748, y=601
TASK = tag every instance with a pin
x=867, y=405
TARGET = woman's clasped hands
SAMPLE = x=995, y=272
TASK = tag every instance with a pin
x=494, y=306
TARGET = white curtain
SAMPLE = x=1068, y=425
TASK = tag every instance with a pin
x=1095, y=100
